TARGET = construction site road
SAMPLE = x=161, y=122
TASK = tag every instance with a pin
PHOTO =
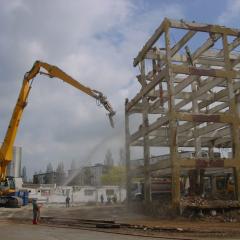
x=38, y=232
x=132, y=225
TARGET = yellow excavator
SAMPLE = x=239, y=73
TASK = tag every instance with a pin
x=7, y=184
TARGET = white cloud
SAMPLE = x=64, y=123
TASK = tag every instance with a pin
x=93, y=41
x=231, y=13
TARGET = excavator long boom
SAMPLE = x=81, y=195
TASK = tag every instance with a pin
x=51, y=71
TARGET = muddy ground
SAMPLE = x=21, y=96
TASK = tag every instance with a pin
x=225, y=226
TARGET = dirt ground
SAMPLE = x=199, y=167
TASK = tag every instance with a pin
x=204, y=227
x=30, y=232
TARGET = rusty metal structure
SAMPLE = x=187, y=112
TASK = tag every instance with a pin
x=188, y=100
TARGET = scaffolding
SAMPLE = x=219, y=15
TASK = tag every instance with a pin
x=188, y=100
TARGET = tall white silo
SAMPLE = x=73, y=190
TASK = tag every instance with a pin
x=14, y=168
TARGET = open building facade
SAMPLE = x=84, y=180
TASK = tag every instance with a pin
x=189, y=83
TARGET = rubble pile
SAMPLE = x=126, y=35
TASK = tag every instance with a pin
x=202, y=203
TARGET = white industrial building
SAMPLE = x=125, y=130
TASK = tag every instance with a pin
x=48, y=193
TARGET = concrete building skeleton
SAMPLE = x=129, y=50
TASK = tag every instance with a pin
x=192, y=87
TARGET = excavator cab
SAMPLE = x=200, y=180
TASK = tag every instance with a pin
x=7, y=187
x=8, y=193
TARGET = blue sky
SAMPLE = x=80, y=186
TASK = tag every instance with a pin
x=205, y=11
x=94, y=41
x=196, y=10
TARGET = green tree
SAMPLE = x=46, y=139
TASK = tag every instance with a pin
x=109, y=158
x=73, y=164
x=24, y=174
x=60, y=167
x=87, y=176
x=60, y=178
x=122, y=157
x=115, y=176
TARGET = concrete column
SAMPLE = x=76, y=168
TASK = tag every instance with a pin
x=213, y=185
x=146, y=148
x=172, y=124
x=147, y=176
x=233, y=110
x=211, y=152
x=127, y=152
